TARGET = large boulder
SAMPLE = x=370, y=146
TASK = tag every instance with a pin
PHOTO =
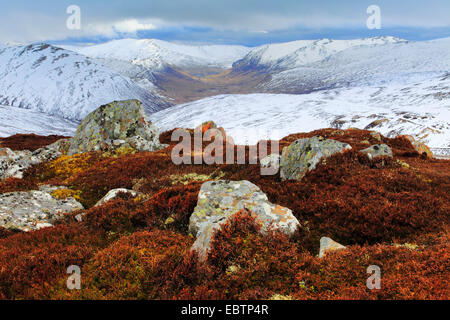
x=219, y=200
x=14, y=163
x=119, y=124
x=33, y=210
x=303, y=155
x=377, y=150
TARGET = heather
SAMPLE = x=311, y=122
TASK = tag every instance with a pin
x=390, y=212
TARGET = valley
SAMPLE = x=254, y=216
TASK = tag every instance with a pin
x=386, y=84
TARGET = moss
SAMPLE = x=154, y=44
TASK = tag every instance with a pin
x=62, y=194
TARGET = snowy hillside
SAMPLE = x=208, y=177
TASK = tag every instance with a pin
x=156, y=54
x=374, y=65
x=17, y=120
x=283, y=56
x=60, y=82
x=421, y=109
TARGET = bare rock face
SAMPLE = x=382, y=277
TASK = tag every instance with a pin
x=119, y=124
x=219, y=200
x=327, y=245
x=14, y=163
x=377, y=150
x=303, y=155
x=34, y=210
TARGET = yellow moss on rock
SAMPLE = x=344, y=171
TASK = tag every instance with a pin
x=190, y=177
x=68, y=166
x=62, y=194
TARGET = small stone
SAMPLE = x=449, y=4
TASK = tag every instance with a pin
x=378, y=150
x=376, y=135
x=270, y=165
x=118, y=142
x=112, y=194
x=327, y=245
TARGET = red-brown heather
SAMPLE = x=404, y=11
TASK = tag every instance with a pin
x=30, y=142
x=393, y=213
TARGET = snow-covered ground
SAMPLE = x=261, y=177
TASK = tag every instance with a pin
x=401, y=62
x=419, y=109
x=60, y=82
x=289, y=55
x=154, y=54
x=17, y=120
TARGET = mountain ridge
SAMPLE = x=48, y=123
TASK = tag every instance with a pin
x=56, y=81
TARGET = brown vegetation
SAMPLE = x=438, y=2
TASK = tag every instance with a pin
x=386, y=213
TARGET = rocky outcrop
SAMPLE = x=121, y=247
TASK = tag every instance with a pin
x=420, y=147
x=377, y=150
x=14, y=163
x=219, y=200
x=303, y=155
x=34, y=210
x=328, y=245
x=119, y=124
x=112, y=194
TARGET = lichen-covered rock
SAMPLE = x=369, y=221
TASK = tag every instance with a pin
x=112, y=194
x=14, y=163
x=270, y=164
x=303, y=155
x=33, y=210
x=420, y=147
x=119, y=124
x=376, y=135
x=219, y=200
x=10, y=164
x=377, y=150
x=327, y=245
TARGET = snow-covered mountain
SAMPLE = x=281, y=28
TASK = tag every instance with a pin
x=59, y=82
x=157, y=54
x=420, y=109
x=288, y=55
x=399, y=62
x=17, y=120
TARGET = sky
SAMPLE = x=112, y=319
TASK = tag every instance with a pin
x=245, y=22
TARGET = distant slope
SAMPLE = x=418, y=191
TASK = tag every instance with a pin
x=60, y=82
x=17, y=120
x=288, y=55
x=420, y=109
x=157, y=54
x=368, y=65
